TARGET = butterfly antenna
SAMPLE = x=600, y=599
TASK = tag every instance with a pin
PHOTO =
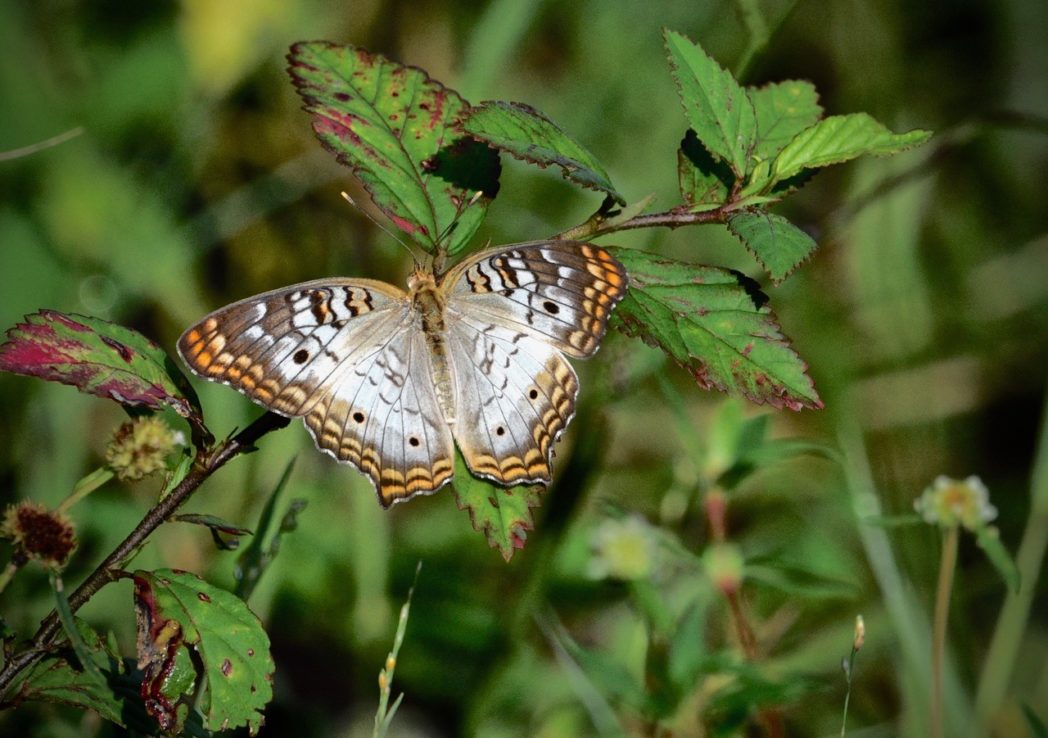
x=382, y=226
x=458, y=215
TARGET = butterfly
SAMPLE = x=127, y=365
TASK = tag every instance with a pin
x=389, y=381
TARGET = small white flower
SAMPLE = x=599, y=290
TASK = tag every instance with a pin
x=951, y=502
x=622, y=549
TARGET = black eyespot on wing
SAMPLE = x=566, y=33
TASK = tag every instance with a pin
x=500, y=431
x=358, y=416
x=551, y=307
x=533, y=394
x=300, y=356
x=413, y=441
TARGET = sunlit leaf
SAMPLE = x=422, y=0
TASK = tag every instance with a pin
x=778, y=244
x=783, y=110
x=99, y=358
x=713, y=322
x=527, y=134
x=502, y=514
x=841, y=138
x=717, y=107
x=398, y=130
x=177, y=613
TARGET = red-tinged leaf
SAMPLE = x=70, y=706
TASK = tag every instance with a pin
x=502, y=514
x=527, y=134
x=398, y=130
x=99, y=358
x=184, y=621
x=713, y=322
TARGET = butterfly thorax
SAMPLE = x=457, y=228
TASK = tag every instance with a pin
x=428, y=302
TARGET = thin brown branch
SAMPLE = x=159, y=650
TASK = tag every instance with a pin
x=599, y=224
x=206, y=464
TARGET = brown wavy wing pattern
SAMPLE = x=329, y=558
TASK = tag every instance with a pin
x=562, y=292
x=278, y=347
x=337, y=352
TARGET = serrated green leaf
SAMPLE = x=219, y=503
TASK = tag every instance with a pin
x=59, y=678
x=717, y=107
x=99, y=358
x=703, y=180
x=713, y=323
x=778, y=245
x=527, y=134
x=998, y=556
x=178, y=611
x=783, y=110
x=841, y=138
x=502, y=514
x=398, y=130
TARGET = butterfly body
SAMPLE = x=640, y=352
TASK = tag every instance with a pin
x=389, y=380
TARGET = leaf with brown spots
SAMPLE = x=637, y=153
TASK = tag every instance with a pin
x=502, y=514
x=715, y=324
x=179, y=615
x=99, y=358
x=398, y=130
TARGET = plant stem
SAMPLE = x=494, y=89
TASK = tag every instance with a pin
x=675, y=218
x=947, y=566
x=86, y=486
x=206, y=464
x=1011, y=624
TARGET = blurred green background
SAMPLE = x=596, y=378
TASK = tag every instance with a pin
x=196, y=181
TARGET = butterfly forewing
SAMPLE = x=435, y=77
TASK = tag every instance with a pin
x=331, y=350
x=558, y=291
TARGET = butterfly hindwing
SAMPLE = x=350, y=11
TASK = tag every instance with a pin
x=514, y=396
x=382, y=415
x=562, y=292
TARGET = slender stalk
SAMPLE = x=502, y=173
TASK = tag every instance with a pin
x=206, y=465
x=947, y=567
x=86, y=486
x=675, y=218
x=40, y=145
x=1011, y=623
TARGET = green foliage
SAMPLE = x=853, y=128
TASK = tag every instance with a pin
x=527, y=134
x=777, y=244
x=714, y=323
x=921, y=321
x=502, y=514
x=395, y=127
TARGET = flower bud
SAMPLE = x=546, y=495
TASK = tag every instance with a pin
x=140, y=447
x=39, y=533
